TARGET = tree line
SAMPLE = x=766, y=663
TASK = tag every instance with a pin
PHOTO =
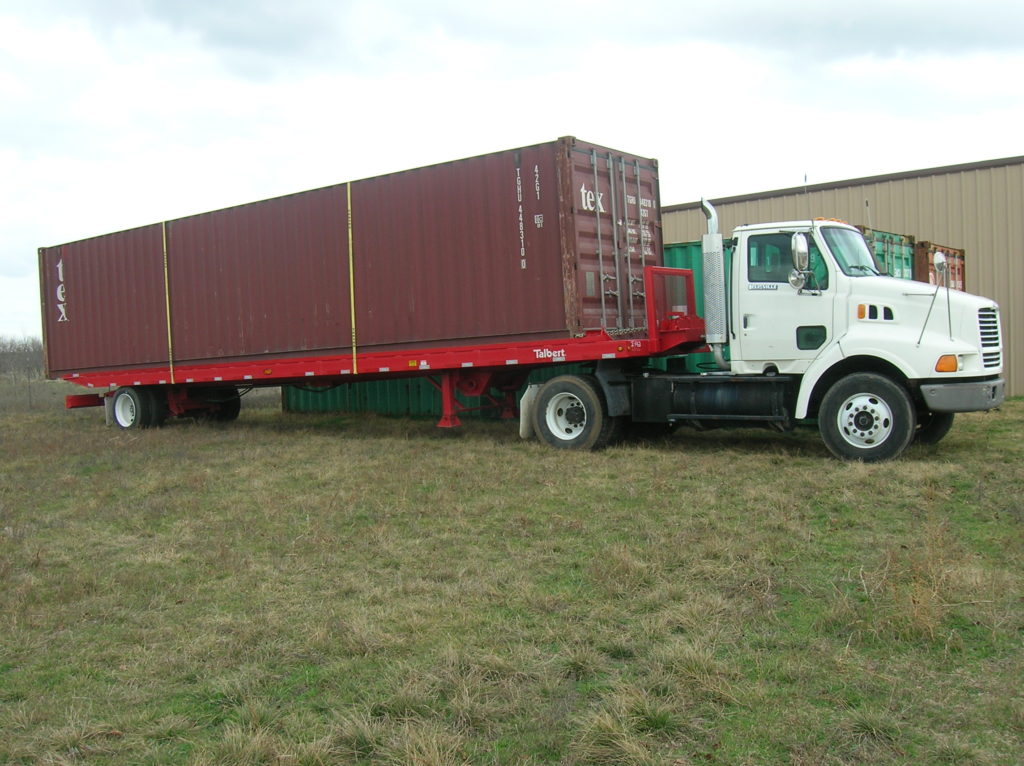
x=21, y=358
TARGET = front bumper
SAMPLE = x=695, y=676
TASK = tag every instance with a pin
x=966, y=396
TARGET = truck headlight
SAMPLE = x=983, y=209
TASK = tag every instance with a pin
x=948, y=363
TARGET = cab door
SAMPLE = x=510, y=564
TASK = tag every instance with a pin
x=776, y=325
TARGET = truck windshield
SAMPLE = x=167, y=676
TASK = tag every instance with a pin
x=850, y=252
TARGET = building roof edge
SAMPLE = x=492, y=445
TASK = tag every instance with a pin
x=902, y=176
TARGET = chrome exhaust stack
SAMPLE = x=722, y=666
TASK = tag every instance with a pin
x=715, y=315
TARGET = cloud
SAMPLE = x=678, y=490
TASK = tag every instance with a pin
x=117, y=113
x=263, y=39
x=881, y=28
x=19, y=311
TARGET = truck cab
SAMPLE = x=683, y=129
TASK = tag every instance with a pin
x=839, y=306
x=805, y=330
x=807, y=299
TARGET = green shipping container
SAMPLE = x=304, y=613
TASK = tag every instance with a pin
x=894, y=253
x=688, y=255
x=402, y=397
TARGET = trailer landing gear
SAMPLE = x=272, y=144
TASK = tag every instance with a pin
x=478, y=383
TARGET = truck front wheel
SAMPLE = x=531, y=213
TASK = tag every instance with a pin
x=569, y=413
x=867, y=417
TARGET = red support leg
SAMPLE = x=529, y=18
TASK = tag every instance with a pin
x=508, y=406
x=450, y=405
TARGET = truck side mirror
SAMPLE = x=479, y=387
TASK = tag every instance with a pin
x=801, y=251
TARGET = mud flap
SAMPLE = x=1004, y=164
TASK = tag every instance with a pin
x=526, y=411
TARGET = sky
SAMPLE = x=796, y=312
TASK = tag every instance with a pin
x=120, y=113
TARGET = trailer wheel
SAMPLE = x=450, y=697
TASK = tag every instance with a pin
x=158, y=403
x=866, y=417
x=932, y=427
x=133, y=408
x=569, y=413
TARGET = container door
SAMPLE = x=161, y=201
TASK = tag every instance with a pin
x=615, y=204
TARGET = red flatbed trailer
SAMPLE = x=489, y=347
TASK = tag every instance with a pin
x=472, y=272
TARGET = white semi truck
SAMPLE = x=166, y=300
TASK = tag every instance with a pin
x=803, y=328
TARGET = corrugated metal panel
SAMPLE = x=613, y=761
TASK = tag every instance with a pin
x=924, y=265
x=89, y=320
x=979, y=208
x=689, y=255
x=406, y=397
x=460, y=250
x=530, y=243
x=894, y=253
x=269, y=277
x=413, y=397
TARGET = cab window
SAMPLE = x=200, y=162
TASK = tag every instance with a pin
x=769, y=259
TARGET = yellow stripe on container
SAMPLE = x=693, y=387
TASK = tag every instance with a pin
x=351, y=280
x=167, y=305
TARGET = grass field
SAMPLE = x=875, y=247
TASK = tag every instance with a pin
x=299, y=589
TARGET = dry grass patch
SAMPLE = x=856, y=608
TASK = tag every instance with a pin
x=335, y=589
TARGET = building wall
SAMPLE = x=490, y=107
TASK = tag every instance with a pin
x=977, y=207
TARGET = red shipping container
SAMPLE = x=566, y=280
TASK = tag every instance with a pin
x=924, y=265
x=541, y=242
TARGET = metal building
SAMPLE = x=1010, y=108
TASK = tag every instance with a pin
x=978, y=207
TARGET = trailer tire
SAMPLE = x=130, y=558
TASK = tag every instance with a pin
x=867, y=417
x=570, y=413
x=158, y=403
x=133, y=408
x=932, y=427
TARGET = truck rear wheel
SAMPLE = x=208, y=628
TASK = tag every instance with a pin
x=570, y=413
x=134, y=408
x=866, y=417
x=932, y=427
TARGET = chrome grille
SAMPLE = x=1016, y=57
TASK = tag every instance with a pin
x=991, y=342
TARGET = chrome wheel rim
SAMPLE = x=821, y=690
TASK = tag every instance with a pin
x=865, y=421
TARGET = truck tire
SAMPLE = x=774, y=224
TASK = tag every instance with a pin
x=932, y=427
x=133, y=408
x=866, y=417
x=569, y=413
